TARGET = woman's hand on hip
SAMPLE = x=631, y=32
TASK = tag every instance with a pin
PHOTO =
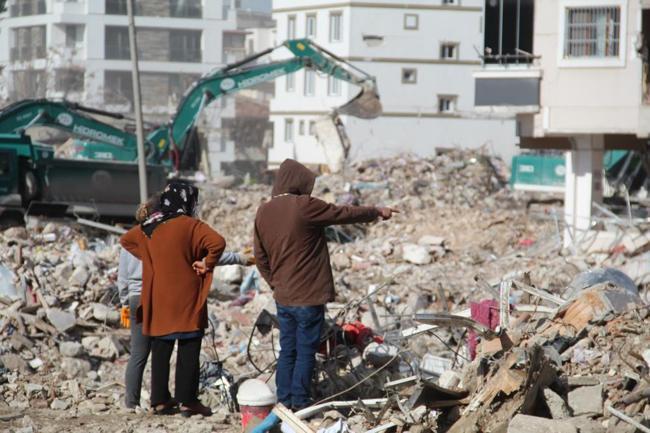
x=200, y=267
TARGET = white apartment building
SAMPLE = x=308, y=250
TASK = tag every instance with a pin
x=79, y=50
x=583, y=87
x=422, y=52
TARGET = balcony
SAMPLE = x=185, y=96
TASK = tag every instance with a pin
x=507, y=87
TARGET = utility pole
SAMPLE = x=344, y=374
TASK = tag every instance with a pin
x=137, y=104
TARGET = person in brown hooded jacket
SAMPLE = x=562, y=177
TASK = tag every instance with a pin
x=292, y=256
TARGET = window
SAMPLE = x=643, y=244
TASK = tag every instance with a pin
x=251, y=46
x=446, y=104
x=336, y=31
x=118, y=87
x=116, y=43
x=74, y=36
x=449, y=51
x=333, y=86
x=448, y=2
x=592, y=32
x=115, y=7
x=185, y=46
x=179, y=83
x=409, y=76
x=291, y=27
x=310, y=26
x=21, y=8
x=69, y=80
x=185, y=8
x=291, y=82
x=310, y=83
x=411, y=21
x=288, y=130
x=28, y=43
x=312, y=127
x=301, y=127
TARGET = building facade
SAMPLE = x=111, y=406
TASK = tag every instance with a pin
x=422, y=54
x=79, y=50
x=581, y=87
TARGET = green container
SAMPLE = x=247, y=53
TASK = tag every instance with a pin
x=532, y=172
x=538, y=173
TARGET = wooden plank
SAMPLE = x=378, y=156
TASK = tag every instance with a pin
x=291, y=419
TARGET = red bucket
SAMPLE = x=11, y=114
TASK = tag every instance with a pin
x=252, y=416
x=256, y=400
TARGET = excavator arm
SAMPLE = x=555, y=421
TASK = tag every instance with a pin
x=69, y=117
x=244, y=74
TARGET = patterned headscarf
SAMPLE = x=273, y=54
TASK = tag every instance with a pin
x=178, y=198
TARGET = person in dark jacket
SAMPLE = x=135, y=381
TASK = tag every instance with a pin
x=292, y=256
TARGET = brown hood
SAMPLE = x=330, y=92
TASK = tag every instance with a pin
x=293, y=178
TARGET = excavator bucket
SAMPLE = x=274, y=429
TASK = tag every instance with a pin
x=366, y=105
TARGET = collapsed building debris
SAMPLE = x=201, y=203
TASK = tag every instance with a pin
x=465, y=315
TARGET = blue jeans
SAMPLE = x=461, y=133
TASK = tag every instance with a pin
x=300, y=329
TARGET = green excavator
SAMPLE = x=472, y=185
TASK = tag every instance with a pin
x=33, y=179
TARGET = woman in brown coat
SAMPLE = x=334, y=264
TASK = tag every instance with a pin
x=178, y=253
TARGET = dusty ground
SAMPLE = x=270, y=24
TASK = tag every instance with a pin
x=487, y=235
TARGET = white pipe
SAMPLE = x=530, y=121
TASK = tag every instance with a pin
x=312, y=410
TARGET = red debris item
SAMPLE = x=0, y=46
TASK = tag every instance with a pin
x=486, y=313
x=619, y=249
x=526, y=242
x=360, y=335
x=351, y=334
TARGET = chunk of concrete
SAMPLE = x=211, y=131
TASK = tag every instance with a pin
x=556, y=405
x=231, y=274
x=70, y=349
x=13, y=362
x=586, y=424
x=533, y=424
x=449, y=379
x=73, y=367
x=586, y=400
x=416, y=254
x=341, y=261
x=104, y=313
x=431, y=240
x=61, y=320
x=79, y=277
x=33, y=390
x=59, y=404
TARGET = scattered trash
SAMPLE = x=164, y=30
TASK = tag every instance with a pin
x=465, y=314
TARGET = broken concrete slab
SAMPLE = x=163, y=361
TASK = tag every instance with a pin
x=74, y=367
x=79, y=277
x=416, y=254
x=104, y=313
x=62, y=320
x=556, y=405
x=534, y=424
x=14, y=362
x=430, y=240
x=586, y=424
x=586, y=400
x=230, y=274
x=59, y=404
x=70, y=349
x=575, y=381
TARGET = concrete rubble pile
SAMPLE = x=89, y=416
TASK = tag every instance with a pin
x=465, y=313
